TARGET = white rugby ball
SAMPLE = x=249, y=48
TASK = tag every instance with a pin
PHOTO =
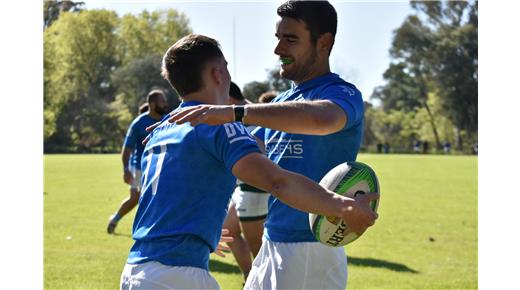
x=348, y=179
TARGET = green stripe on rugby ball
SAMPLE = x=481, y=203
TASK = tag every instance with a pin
x=346, y=179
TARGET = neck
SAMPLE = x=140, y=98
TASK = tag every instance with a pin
x=206, y=96
x=315, y=72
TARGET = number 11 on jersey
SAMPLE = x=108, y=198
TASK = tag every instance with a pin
x=154, y=162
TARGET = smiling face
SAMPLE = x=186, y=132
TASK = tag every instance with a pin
x=298, y=55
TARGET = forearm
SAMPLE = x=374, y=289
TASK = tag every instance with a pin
x=125, y=157
x=309, y=117
x=320, y=117
x=291, y=188
x=306, y=195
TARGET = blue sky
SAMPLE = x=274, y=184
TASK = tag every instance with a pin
x=360, y=53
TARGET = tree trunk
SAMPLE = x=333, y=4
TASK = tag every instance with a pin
x=434, y=128
x=458, y=139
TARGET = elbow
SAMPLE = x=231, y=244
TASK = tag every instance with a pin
x=327, y=124
x=277, y=186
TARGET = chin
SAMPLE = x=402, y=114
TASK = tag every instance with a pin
x=287, y=75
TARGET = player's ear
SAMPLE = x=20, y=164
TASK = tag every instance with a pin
x=216, y=74
x=324, y=43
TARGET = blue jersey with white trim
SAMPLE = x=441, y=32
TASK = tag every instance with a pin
x=311, y=155
x=187, y=184
x=135, y=136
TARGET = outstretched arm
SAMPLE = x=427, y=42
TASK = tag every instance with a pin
x=304, y=194
x=321, y=117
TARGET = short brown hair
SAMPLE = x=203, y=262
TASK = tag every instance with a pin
x=183, y=63
x=153, y=95
x=319, y=17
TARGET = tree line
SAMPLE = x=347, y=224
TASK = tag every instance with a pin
x=431, y=90
x=98, y=67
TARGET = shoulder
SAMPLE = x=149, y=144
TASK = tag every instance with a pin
x=342, y=92
x=225, y=140
x=144, y=120
x=229, y=130
x=138, y=119
x=341, y=87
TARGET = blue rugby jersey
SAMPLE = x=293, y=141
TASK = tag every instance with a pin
x=135, y=136
x=187, y=184
x=311, y=155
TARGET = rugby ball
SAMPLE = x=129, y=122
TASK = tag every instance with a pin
x=348, y=179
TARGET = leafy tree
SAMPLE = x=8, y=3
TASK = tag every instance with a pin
x=97, y=69
x=401, y=91
x=369, y=136
x=274, y=82
x=456, y=64
x=137, y=78
x=438, y=47
x=79, y=56
x=394, y=127
x=408, y=92
x=53, y=8
x=254, y=89
x=149, y=33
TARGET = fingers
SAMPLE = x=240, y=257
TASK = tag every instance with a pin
x=372, y=196
x=150, y=128
x=360, y=232
x=223, y=247
x=179, y=116
x=192, y=116
x=219, y=250
x=372, y=220
x=147, y=138
x=362, y=216
x=219, y=253
x=226, y=239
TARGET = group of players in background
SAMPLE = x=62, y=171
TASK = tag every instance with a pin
x=184, y=177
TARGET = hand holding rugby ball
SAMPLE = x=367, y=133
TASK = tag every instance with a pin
x=351, y=180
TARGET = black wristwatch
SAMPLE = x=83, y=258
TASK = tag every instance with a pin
x=239, y=113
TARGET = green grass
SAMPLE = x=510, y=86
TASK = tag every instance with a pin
x=425, y=238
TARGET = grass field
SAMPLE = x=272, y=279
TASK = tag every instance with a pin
x=425, y=238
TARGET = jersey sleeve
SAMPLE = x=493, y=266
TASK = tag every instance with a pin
x=349, y=99
x=227, y=143
x=132, y=136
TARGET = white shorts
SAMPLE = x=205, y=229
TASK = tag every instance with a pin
x=154, y=275
x=137, y=179
x=298, y=266
x=250, y=206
